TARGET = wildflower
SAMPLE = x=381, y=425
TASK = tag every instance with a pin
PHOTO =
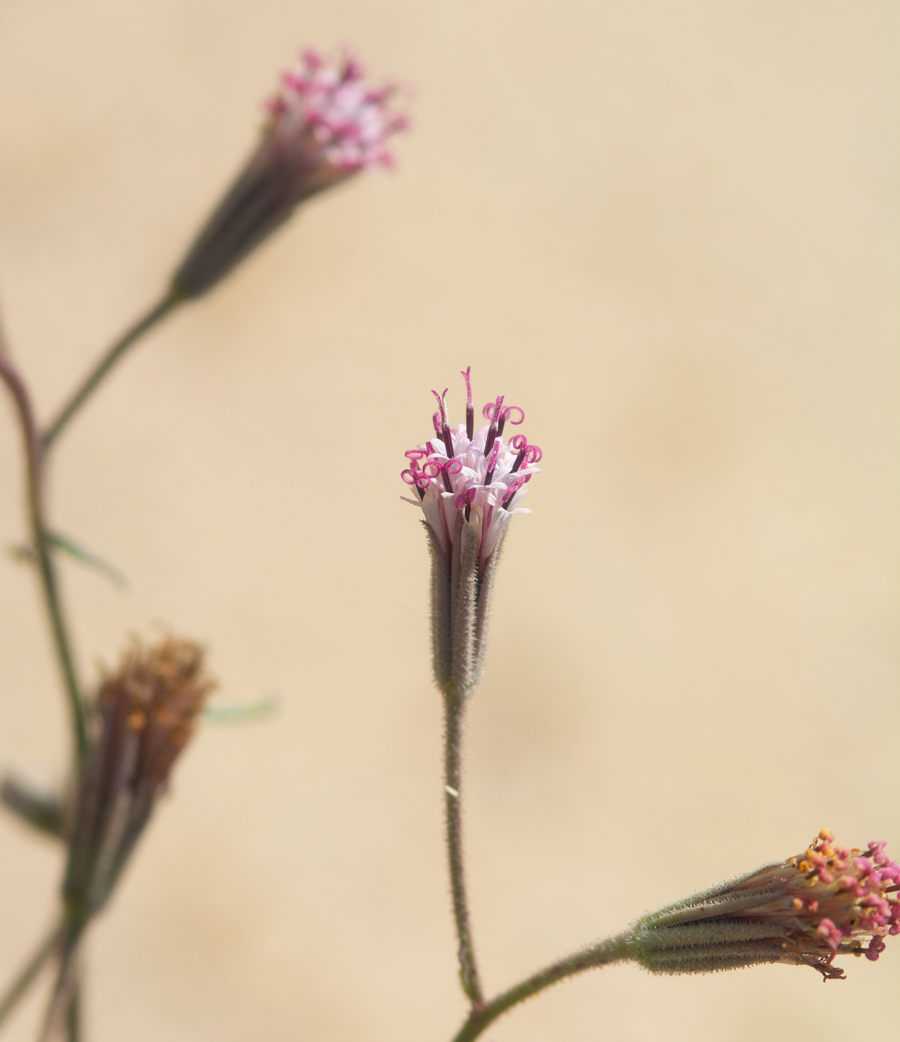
x=803, y=911
x=143, y=717
x=469, y=484
x=325, y=124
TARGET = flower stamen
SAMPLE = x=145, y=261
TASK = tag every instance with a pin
x=470, y=408
x=799, y=911
x=492, y=411
x=444, y=429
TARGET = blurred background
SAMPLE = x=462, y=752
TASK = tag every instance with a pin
x=668, y=232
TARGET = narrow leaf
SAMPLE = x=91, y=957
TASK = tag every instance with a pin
x=88, y=557
x=244, y=713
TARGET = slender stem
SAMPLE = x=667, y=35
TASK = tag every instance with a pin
x=65, y=990
x=73, y=1014
x=614, y=949
x=90, y=383
x=29, y=973
x=34, y=459
x=454, y=730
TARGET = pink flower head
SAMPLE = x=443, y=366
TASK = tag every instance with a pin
x=325, y=124
x=471, y=478
x=830, y=902
x=469, y=484
x=823, y=902
x=331, y=116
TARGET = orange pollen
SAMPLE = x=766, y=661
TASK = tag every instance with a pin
x=136, y=720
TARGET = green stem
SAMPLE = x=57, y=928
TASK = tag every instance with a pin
x=34, y=459
x=73, y=1014
x=53, y=603
x=90, y=383
x=614, y=949
x=29, y=973
x=454, y=729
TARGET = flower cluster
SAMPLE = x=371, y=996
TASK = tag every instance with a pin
x=830, y=896
x=325, y=123
x=471, y=474
x=143, y=717
x=333, y=112
x=803, y=911
x=469, y=484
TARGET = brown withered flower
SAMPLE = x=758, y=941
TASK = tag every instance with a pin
x=143, y=717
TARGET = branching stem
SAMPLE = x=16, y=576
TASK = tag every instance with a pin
x=614, y=949
x=96, y=375
x=29, y=973
x=63, y=1012
x=34, y=474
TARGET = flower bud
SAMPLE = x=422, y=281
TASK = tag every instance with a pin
x=469, y=484
x=324, y=125
x=143, y=717
x=803, y=911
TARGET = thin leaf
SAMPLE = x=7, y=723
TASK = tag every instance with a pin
x=39, y=807
x=243, y=713
x=88, y=557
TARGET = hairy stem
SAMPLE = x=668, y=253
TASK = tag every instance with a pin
x=454, y=728
x=29, y=973
x=34, y=472
x=93, y=379
x=614, y=949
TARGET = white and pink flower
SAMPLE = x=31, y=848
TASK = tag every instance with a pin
x=473, y=475
x=331, y=116
x=469, y=484
x=325, y=124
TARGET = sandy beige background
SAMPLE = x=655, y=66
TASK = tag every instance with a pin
x=668, y=231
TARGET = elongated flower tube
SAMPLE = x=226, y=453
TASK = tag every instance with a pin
x=468, y=484
x=143, y=717
x=325, y=124
x=803, y=912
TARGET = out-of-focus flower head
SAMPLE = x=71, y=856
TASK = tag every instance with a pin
x=330, y=112
x=325, y=124
x=803, y=911
x=143, y=717
x=469, y=484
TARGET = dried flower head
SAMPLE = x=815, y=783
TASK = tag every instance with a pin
x=803, y=911
x=469, y=484
x=143, y=717
x=325, y=124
